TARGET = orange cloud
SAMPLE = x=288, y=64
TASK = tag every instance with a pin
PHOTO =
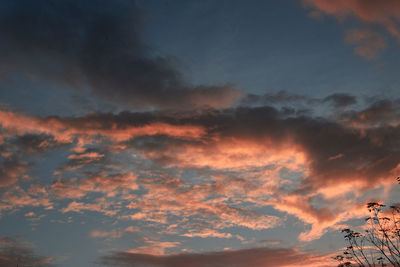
x=113, y=234
x=11, y=171
x=368, y=43
x=208, y=233
x=154, y=247
x=17, y=198
x=101, y=205
x=385, y=13
x=65, y=129
x=174, y=198
x=233, y=153
x=110, y=185
x=382, y=13
x=245, y=159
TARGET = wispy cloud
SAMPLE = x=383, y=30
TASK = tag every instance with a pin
x=384, y=14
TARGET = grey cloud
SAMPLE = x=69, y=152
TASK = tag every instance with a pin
x=14, y=252
x=97, y=44
x=341, y=100
x=262, y=257
x=11, y=170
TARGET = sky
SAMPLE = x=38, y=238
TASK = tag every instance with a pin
x=194, y=133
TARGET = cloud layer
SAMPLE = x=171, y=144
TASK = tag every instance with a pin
x=239, y=156
x=74, y=45
x=240, y=258
x=14, y=252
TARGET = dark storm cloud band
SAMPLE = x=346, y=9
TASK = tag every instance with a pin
x=262, y=257
x=96, y=44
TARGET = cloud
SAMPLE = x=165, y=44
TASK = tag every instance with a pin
x=154, y=247
x=16, y=197
x=171, y=197
x=240, y=156
x=368, y=43
x=379, y=114
x=14, y=252
x=110, y=185
x=100, y=205
x=120, y=127
x=113, y=234
x=341, y=100
x=32, y=143
x=99, y=48
x=268, y=98
x=285, y=98
x=239, y=258
x=321, y=219
x=385, y=14
x=11, y=170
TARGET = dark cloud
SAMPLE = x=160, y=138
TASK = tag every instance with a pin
x=34, y=143
x=14, y=252
x=279, y=97
x=334, y=150
x=238, y=258
x=341, y=100
x=380, y=113
x=96, y=44
x=11, y=170
x=285, y=98
x=88, y=158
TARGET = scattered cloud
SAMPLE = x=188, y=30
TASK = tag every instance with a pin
x=113, y=234
x=239, y=154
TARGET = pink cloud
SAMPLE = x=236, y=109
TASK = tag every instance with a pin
x=241, y=168
x=207, y=233
x=11, y=171
x=17, y=198
x=113, y=234
x=101, y=205
x=86, y=127
x=110, y=185
x=368, y=43
x=172, y=197
x=154, y=247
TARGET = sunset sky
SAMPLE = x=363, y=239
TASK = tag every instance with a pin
x=194, y=133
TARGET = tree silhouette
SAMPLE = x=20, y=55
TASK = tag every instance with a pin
x=379, y=244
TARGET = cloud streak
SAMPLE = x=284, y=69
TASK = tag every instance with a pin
x=240, y=258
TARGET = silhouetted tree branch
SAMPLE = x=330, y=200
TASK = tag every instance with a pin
x=380, y=242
